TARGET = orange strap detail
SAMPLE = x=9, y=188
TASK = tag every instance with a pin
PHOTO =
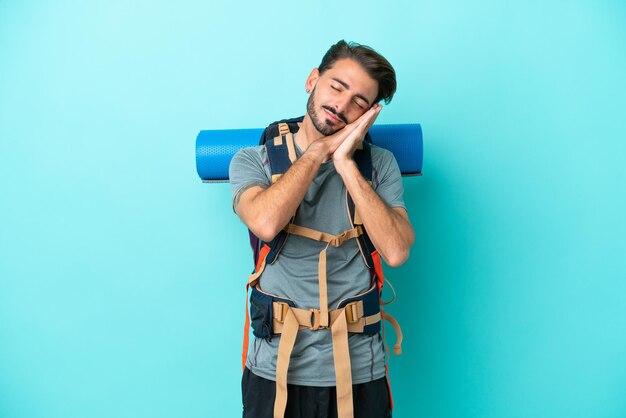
x=378, y=269
x=262, y=256
x=246, y=335
x=260, y=266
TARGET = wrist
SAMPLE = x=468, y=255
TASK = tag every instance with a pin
x=344, y=166
x=316, y=152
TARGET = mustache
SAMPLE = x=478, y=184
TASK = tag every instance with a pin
x=334, y=112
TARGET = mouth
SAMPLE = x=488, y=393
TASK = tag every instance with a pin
x=333, y=118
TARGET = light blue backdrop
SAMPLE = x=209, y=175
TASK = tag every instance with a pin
x=121, y=275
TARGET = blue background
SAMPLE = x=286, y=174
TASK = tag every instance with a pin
x=122, y=276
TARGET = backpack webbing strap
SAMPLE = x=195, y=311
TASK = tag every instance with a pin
x=289, y=320
x=338, y=321
x=338, y=325
x=343, y=369
x=397, y=348
x=341, y=358
x=285, y=347
x=310, y=318
x=335, y=241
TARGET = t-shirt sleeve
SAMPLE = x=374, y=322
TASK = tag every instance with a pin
x=386, y=177
x=248, y=169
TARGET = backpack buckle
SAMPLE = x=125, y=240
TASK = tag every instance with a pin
x=339, y=239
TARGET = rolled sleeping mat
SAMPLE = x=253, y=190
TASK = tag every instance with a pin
x=215, y=148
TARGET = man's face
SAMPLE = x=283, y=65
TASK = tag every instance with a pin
x=340, y=95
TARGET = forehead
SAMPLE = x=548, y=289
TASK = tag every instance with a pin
x=354, y=75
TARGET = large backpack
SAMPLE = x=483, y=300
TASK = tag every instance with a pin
x=271, y=315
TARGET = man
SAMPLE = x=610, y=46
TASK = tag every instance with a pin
x=345, y=91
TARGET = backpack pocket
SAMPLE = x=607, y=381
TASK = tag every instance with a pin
x=261, y=314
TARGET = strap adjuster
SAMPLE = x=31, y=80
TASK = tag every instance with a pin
x=283, y=129
x=316, y=319
x=281, y=313
x=352, y=312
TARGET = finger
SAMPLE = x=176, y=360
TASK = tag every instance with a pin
x=368, y=118
x=360, y=125
x=372, y=117
x=345, y=132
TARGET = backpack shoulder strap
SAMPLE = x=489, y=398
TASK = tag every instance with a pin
x=281, y=153
x=363, y=159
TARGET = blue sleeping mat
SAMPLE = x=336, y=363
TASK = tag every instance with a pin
x=215, y=148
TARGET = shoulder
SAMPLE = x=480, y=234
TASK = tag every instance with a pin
x=256, y=155
x=247, y=161
x=385, y=168
x=382, y=157
x=381, y=153
x=256, y=152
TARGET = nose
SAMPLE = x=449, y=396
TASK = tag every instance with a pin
x=343, y=103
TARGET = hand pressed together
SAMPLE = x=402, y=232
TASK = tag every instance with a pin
x=353, y=138
x=341, y=145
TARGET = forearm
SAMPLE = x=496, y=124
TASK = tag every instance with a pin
x=269, y=210
x=389, y=230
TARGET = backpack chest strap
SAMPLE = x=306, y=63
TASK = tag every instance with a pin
x=329, y=239
x=333, y=240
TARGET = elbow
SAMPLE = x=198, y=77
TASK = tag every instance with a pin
x=265, y=230
x=264, y=224
x=400, y=254
x=265, y=236
x=397, y=258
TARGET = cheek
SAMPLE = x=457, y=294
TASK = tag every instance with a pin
x=354, y=114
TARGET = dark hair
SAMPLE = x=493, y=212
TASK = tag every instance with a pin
x=374, y=64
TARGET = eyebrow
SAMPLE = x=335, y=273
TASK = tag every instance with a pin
x=347, y=86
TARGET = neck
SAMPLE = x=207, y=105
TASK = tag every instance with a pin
x=307, y=134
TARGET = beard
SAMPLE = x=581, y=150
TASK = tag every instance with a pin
x=324, y=126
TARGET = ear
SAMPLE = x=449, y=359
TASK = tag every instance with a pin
x=311, y=80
